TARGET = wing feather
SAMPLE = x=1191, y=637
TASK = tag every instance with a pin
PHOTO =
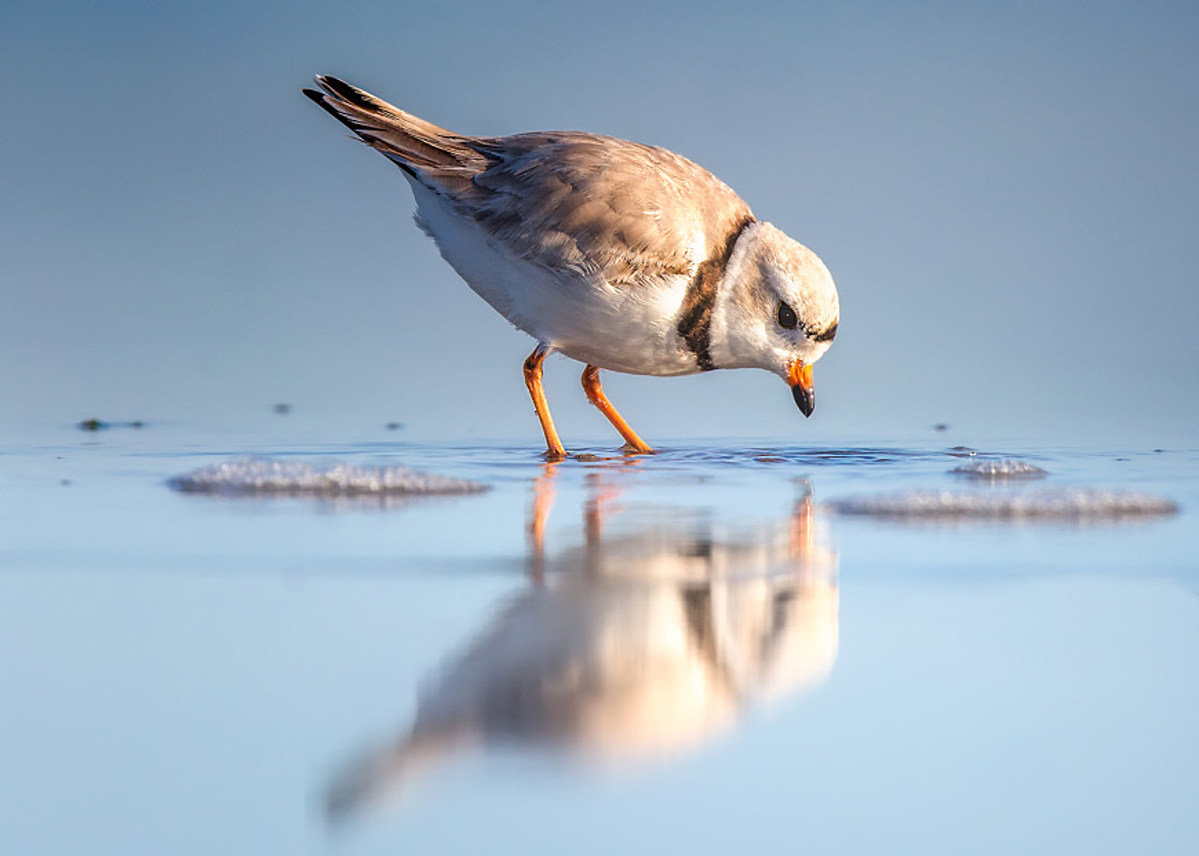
x=569, y=201
x=599, y=205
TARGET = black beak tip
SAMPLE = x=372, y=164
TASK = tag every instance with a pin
x=805, y=399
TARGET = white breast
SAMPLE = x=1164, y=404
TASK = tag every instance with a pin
x=630, y=328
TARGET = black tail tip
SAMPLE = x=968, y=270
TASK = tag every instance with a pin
x=343, y=90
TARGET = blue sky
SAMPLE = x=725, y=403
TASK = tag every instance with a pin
x=1007, y=196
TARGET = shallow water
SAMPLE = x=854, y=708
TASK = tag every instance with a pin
x=690, y=652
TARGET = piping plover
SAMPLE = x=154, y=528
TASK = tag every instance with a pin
x=620, y=255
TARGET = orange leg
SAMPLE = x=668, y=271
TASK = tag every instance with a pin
x=595, y=394
x=554, y=450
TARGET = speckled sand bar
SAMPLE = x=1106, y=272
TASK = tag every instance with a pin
x=1044, y=504
x=263, y=476
x=1005, y=468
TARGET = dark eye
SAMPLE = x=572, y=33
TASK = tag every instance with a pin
x=786, y=316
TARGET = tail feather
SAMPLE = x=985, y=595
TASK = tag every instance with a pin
x=420, y=148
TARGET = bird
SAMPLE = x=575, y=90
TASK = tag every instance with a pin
x=623, y=256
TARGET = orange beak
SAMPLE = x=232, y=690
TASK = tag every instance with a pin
x=799, y=376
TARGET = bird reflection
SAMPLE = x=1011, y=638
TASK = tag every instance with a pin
x=634, y=645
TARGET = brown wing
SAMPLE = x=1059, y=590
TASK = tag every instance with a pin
x=566, y=200
x=599, y=205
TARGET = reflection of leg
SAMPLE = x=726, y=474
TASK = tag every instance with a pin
x=554, y=451
x=595, y=394
x=593, y=515
x=601, y=496
x=543, y=501
x=803, y=530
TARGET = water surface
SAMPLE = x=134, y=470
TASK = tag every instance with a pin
x=690, y=651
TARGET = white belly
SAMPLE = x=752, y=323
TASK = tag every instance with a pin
x=630, y=328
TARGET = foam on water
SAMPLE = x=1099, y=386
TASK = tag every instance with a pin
x=1046, y=504
x=264, y=476
x=1005, y=468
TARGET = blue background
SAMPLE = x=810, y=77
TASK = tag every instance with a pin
x=1006, y=194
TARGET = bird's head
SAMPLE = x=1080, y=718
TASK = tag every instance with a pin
x=776, y=309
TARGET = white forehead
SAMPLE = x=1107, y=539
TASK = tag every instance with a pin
x=797, y=270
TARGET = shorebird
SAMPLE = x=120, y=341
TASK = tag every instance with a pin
x=623, y=256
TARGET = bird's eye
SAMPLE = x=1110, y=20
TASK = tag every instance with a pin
x=786, y=316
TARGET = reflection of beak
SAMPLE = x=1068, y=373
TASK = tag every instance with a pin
x=799, y=375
